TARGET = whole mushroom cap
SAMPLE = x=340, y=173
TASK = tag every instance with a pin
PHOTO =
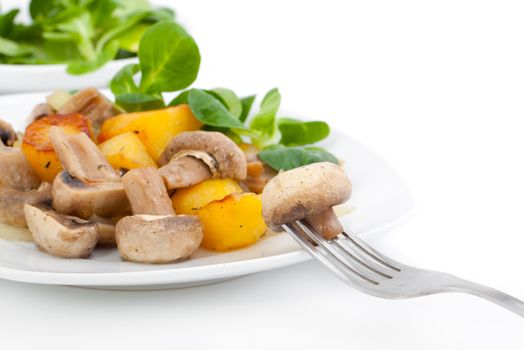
x=298, y=193
x=229, y=159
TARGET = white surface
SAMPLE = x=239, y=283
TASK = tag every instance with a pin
x=434, y=87
x=380, y=199
x=43, y=77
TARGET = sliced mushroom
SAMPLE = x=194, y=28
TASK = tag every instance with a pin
x=81, y=157
x=89, y=185
x=15, y=171
x=60, y=235
x=39, y=111
x=91, y=103
x=154, y=234
x=307, y=193
x=12, y=203
x=7, y=134
x=194, y=156
x=74, y=197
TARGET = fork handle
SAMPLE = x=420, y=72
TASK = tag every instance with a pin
x=491, y=294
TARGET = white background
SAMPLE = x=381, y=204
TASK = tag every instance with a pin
x=437, y=88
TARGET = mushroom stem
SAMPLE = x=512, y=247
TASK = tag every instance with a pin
x=326, y=223
x=146, y=192
x=184, y=172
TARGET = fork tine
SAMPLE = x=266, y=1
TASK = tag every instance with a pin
x=345, y=273
x=344, y=255
x=354, y=240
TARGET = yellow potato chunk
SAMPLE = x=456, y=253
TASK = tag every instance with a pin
x=154, y=128
x=232, y=223
x=126, y=151
x=190, y=200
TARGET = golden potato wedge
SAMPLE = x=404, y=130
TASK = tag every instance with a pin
x=232, y=223
x=126, y=151
x=190, y=200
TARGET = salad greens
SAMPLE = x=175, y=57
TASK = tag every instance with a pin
x=285, y=158
x=169, y=60
x=295, y=132
x=85, y=34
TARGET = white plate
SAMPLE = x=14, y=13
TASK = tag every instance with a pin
x=43, y=77
x=380, y=199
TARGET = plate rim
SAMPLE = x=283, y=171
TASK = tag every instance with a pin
x=191, y=274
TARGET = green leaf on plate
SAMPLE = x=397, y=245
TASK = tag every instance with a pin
x=211, y=111
x=285, y=158
x=265, y=120
x=169, y=58
x=228, y=99
x=180, y=99
x=139, y=102
x=247, y=103
x=297, y=133
x=123, y=82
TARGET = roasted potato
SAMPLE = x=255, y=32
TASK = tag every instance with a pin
x=234, y=222
x=126, y=151
x=37, y=146
x=190, y=200
x=154, y=128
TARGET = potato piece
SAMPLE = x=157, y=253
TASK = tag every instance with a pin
x=154, y=128
x=126, y=151
x=190, y=200
x=233, y=222
x=37, y=146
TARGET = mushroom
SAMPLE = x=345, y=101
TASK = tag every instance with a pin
x=60, y=235
x=15, y=171
x=7, y=134
x=258, y=173
x=12, y=203
x=106, y=230
x=89, y=185
x=154, y=234
x=91, y=103
x=194, y=156
x=39, y=111
x=307, y=193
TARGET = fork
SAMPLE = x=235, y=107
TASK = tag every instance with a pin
x=371, y=272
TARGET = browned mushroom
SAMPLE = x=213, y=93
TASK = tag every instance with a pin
x=60, y=235
x=154, y=234
x=194, y=156
x=308, y=193
x=92, y=104
x=89, y=185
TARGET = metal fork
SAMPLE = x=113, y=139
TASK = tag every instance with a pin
x=371, y=272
